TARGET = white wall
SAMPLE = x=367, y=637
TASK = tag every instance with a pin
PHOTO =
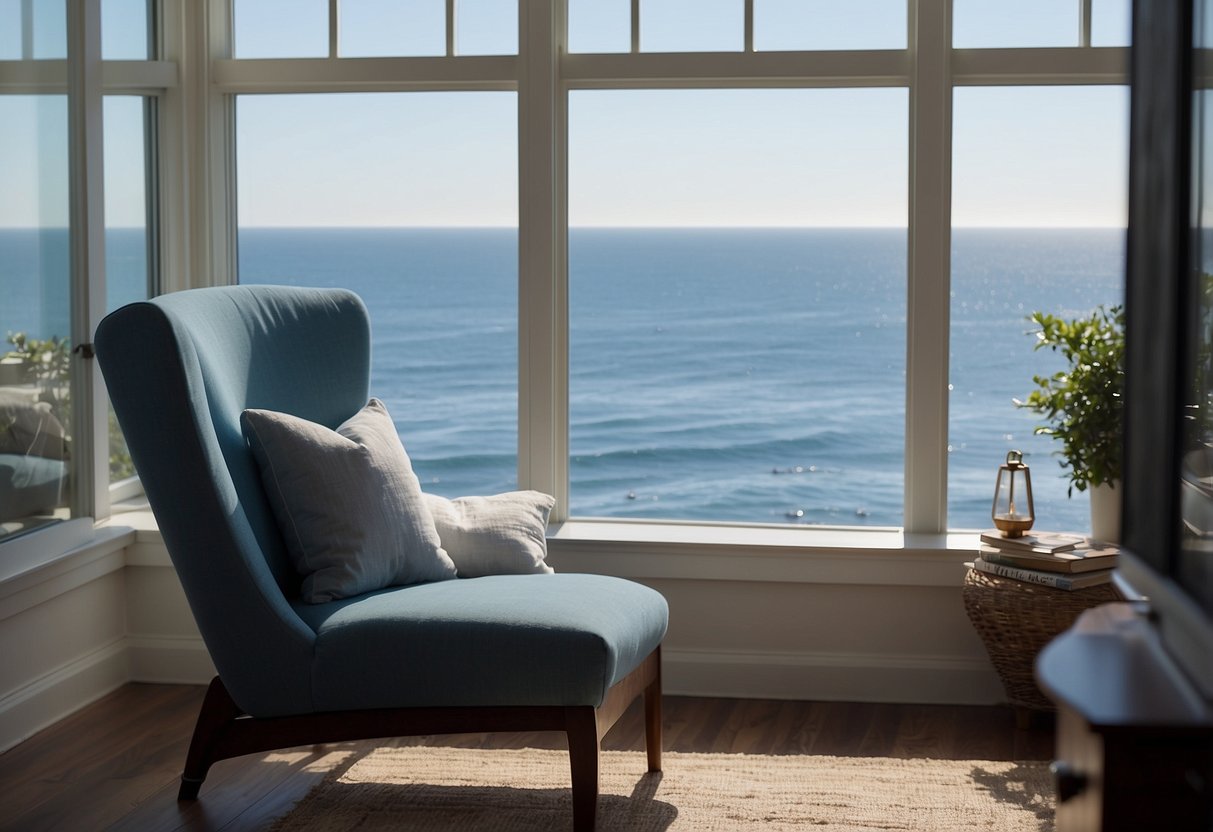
x=848, y=622
x=62, y=630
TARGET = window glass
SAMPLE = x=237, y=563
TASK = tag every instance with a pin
x=600, y=26
x=1111, y=23
x=1025, y=23
x=128, y=275
x=737, y=294
x=692, y=25
x=829, y=24
x=124, y=30
x=280, y=28
x=42, y=25
x=486, y=27
x=1039, y=213
x=421, y=222
x=392, y=27
x=10, y=30
x=35, y=318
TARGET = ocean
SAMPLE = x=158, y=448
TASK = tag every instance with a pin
x=749, y=375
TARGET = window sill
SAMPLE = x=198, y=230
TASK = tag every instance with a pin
x=52, y=561
x=727, y=552
x=647, y=550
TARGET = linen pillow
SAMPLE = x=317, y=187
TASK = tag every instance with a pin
x=505, y=534
x=347, y=502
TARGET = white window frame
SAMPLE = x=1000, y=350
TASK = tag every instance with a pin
x=85, y=78
x=543, y=74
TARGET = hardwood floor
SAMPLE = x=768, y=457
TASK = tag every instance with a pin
x=116, y=763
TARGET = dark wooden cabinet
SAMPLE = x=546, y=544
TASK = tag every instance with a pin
x=1134, y=740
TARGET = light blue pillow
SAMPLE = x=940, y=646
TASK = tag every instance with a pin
x=347, y=502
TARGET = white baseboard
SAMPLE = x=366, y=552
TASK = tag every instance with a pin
x=50, y=698
x=837, y=677
x=169, y=660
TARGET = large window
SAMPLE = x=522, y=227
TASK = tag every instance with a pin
x=742, y=260
x=77, y=237
x=740, y=239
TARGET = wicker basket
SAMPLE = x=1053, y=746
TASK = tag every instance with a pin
x=1016, y=620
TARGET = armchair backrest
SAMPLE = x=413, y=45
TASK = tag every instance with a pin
x=179, y=370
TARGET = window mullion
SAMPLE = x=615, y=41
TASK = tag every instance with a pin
x=929, y=275
x=451, y=45
x=27, y=30
x=543, y=413
x=90, y=493
x=749, y=26
x=152, y=192
x=334, y=28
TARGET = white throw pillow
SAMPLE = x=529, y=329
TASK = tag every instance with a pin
x=505, y=534
x=347, y=502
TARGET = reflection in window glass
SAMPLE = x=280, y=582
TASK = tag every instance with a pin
x=1041, y=172
x=35, y=318
x=486, y=27
x=829, y=24
x=600, y=26
x=421, y=222
x=371, y=28
x=1024, y=23
x=124, y=30
x=734, y=354
x=692, y=25
x=1111, y=23
x=280, y=28
x=127, y=277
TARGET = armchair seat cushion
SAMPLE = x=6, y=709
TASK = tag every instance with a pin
x=499, y=640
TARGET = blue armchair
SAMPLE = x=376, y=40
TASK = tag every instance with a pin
x=564, y=652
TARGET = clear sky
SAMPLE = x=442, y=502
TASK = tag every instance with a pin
x=1022, y=156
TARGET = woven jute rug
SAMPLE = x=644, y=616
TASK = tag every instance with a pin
x=473, y=790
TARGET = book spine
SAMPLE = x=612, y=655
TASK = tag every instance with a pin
x=1007, y=559
x=1030, y=576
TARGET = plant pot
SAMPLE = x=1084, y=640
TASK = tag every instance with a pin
x=1105, y=512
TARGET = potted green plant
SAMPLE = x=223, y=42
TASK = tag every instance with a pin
x=1083, y=405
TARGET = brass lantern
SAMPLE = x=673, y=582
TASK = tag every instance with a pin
x=1013, y=511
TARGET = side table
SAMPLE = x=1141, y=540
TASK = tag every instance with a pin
x=1016, y=620
x=1133, y=734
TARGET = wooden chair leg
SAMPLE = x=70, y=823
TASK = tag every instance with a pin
x=218, y=711
x=582, y=730
x=652, y=721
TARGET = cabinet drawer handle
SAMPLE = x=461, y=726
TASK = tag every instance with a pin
x=1070, y=782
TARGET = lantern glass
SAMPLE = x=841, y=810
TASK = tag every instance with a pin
x=1013, y=512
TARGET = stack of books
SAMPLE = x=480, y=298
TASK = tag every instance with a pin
x=1062, y=561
